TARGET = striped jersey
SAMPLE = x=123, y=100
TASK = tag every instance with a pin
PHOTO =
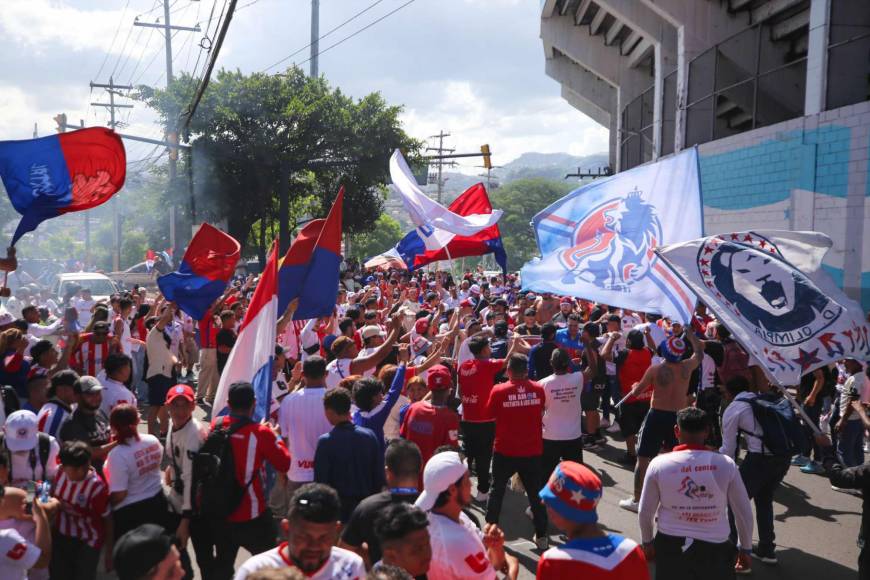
x=610, y=557
x=90, y=356
x=83, y=505
x=52, y=416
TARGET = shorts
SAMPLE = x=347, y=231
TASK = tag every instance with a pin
x=590, y=400
x=657, y=431
x=630, y=417
x=158, y=386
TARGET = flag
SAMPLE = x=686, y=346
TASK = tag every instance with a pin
x=150, y=258
x=598, y=242
x=428, y=214
x=252, y=356
x=310, y=269
x=387, y=260
x=59, y=174
x=205, y=270
x=768, y=288
x=418, y=249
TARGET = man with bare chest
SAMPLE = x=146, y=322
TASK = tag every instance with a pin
x=670, y=390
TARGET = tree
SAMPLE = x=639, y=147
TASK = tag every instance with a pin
x=259, y=139
x=386, y=233
x=521, y=200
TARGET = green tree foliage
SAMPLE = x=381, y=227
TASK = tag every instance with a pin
x=521, y=200
x=385, y=234
x=256, y=136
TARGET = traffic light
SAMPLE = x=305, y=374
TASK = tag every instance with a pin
x=60, y=119
x=487, y=160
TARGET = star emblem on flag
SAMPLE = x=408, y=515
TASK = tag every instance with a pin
x=807, y=358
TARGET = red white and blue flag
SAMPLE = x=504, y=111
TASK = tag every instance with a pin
x=599, y=241
x=252, y=357
x=426, y=245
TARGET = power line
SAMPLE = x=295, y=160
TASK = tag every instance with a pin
x=114, y=38
x=352, y=18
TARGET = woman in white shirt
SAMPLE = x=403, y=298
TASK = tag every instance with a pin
x=133, y=471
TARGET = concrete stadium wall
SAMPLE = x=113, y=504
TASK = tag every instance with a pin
x=809, y=173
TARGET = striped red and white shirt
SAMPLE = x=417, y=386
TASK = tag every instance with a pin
x=83, y=505
x=90, y=356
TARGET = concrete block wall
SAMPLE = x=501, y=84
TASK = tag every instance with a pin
x=806, y=173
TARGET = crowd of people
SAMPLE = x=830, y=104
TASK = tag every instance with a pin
x=113, y=458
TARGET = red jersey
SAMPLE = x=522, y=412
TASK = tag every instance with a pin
x=611, y=557
x=476, y=379
x=89, y=356
x=430, y=427
x=252, y=445
x=518, y=410
x=207, y=330
x=635, y=365
x=83, y=505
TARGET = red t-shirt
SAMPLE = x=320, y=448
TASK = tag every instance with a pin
x=430, y=427
x=518, y=410
x=632, y=370
x=476, y=379
x=208, y=331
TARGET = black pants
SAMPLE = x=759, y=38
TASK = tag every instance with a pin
x=710, y=401
x=529, y=470
x=154, y=510
x=256, y=536
x=72, y=559
x=700, y=561
x=864, y=564
x=477, y=439
x=761, y=475
x=556, y=451
x=814, y=413
x=202, y=537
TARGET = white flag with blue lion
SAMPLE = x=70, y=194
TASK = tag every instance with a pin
x=598, y=242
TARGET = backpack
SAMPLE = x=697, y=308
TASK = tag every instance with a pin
x=781, y=430
x=43, y=449
x=216, y=492
x=735, y=363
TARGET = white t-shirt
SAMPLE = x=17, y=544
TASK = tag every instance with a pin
x=618, y=346
x=22, y=472
x=337, y=370
x=341, y=565
x=114, y=394
x=457, y=549
x=83, y=307
x=135, y=468
x=562, y=406
x=303, y=421
x=17, y=555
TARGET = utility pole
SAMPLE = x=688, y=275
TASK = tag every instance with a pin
x=439, y=160
x=315, y=36
x=172, y=129
x=113, y=90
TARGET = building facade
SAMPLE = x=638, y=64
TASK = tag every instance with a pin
x=775, y=94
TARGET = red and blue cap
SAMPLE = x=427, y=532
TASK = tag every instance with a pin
x=672, y=349
x=573, y=492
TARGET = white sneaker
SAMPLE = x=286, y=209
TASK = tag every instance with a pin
x=629, y=504
x=482, y=497
x=613, y=428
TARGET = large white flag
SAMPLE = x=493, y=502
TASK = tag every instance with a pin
x=597, y=242
x=429, y=215
x=769, y=289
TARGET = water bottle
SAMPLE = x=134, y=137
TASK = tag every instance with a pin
x=44, y=491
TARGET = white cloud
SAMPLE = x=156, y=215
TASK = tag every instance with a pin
x=43, y=25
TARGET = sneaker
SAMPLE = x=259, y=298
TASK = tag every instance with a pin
x=482, y=497
x=813, y=467
x=767, y=556
x=800, y=460
x=542, y=542
x=629, y=504
x=614, y=428
x=591, y=442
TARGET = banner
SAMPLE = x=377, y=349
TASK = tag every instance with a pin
x=599, y=241
x=770, y=291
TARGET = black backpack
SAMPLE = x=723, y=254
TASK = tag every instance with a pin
x=216, y=492
x=42, y=450
x=781, y=430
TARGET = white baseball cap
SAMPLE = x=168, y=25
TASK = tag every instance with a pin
x=443, y=470
x=6, y=318
x=21, y=431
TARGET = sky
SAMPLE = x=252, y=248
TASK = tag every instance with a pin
x=474, y=68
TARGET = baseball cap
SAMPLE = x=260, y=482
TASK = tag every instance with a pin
x=442, y=470
x=140, y=550
x=475, y=289
x=180, y=391
x=421, y=326
x=87, y=384
x=420, y=345
x=566, y=300
x=439, y=378
x=370, y=331
x=466, y=304
x=21, y=431
x=672, y=349
x=573, y=491
x=328, y=340
x=6, y=318
x=241, y=395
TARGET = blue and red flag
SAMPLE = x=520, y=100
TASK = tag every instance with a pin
x=205, y=270
x=423, y=246
x=254, y=352
x=54, y=175
x=309, y=271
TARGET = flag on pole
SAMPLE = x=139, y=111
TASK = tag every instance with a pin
x=768, y=288
x=310, y=269
x=599, y=241
x=428, y=214
x=387, y=260
x=205, y=270
x=59, y=174
x=252, y=356
x=418, y=249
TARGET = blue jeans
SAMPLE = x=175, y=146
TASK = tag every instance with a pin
x=850, y=443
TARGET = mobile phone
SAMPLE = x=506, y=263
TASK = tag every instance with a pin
x=30, y=493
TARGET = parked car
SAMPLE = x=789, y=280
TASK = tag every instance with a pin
x=137, y=275
x=100, y=285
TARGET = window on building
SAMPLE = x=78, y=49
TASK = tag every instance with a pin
x=636, y=143
x=848, y=54
x=669, y=113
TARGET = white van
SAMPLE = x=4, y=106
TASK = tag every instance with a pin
x=100, y=285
